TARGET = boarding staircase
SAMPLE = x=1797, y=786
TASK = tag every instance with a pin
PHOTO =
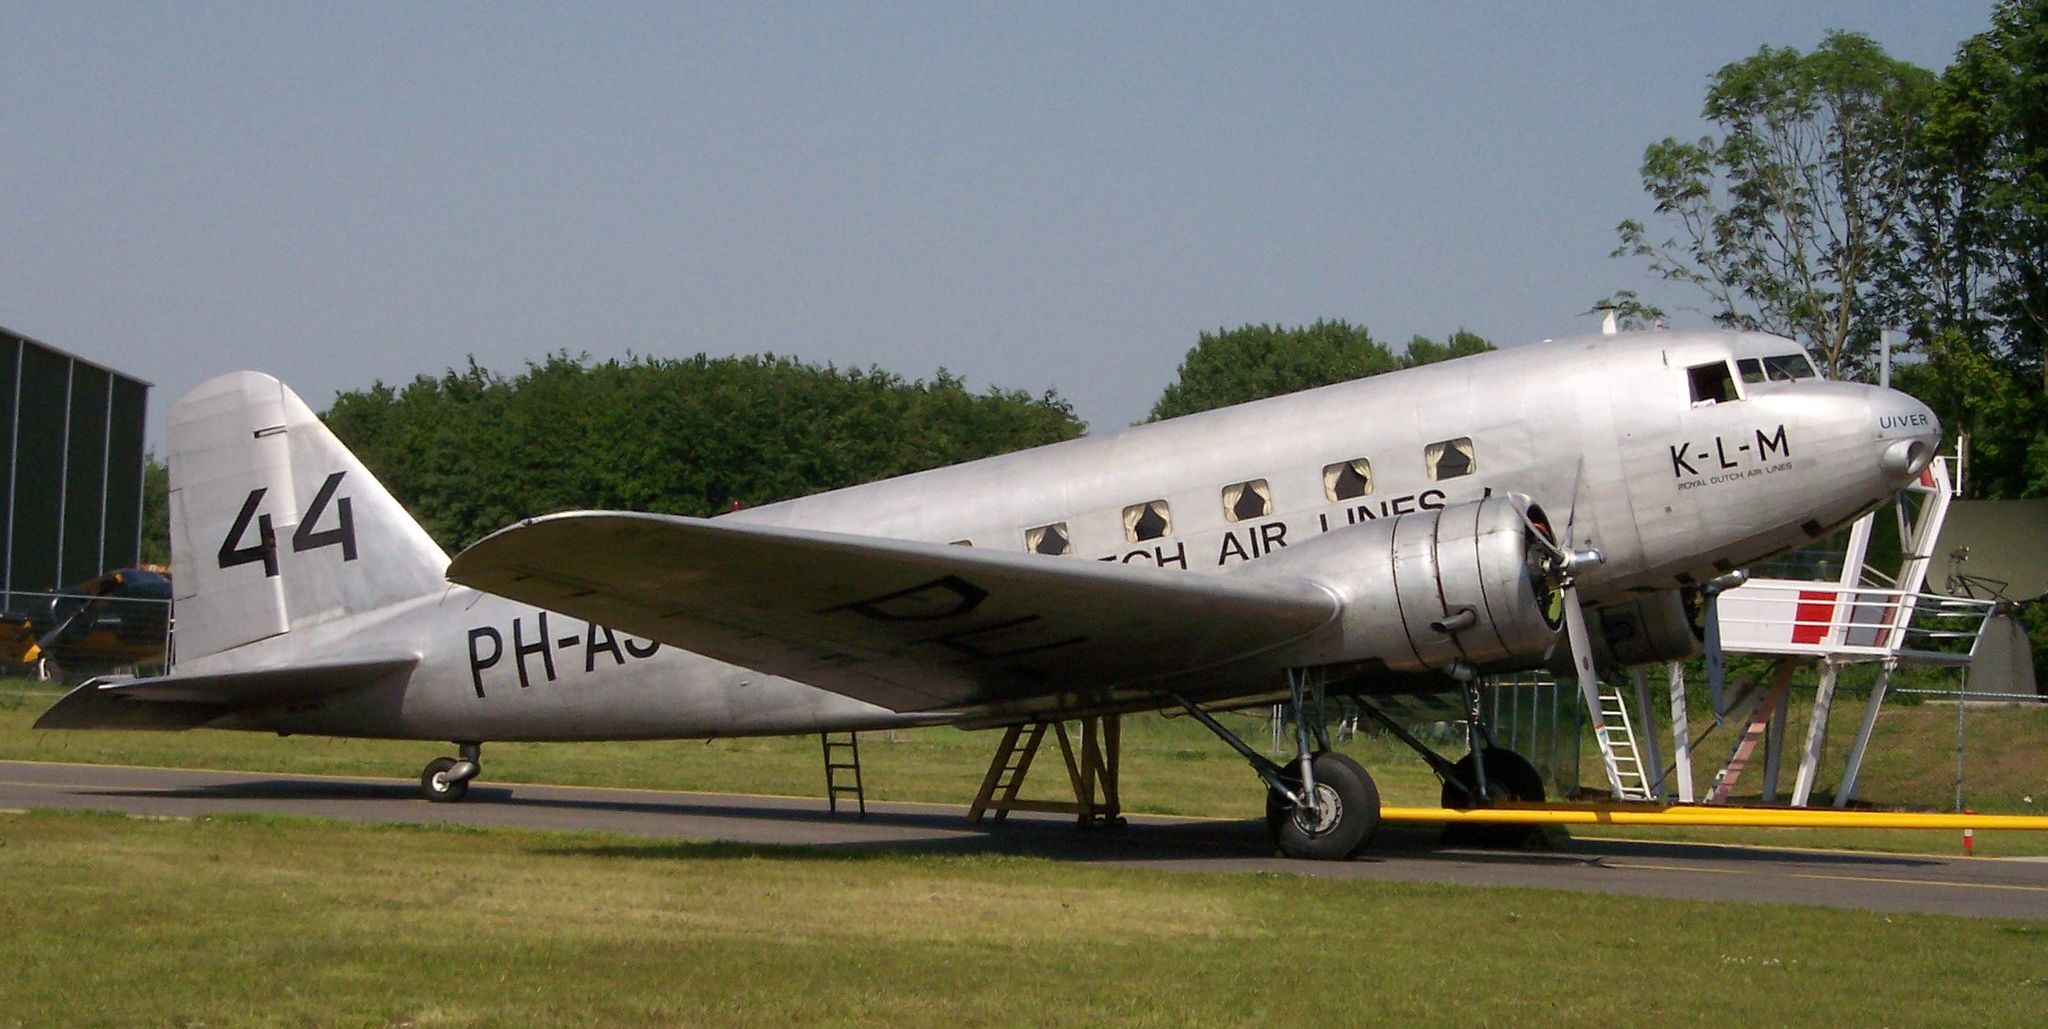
x=842, y=769
x=1617, y=739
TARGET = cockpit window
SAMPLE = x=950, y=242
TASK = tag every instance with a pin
x=1786, y=367
x=1712, y=383
x=1776, y=368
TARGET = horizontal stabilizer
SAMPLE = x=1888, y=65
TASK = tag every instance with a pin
x=906, y=625
x=192, y=701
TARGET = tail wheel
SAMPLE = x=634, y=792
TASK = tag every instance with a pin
x=1509, y=776
x=1344, y=812
x=435, y=784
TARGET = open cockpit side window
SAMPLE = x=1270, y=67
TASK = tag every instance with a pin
x=1712, y=383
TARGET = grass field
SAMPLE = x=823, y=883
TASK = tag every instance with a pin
x=274, y=921
x=1170, y=766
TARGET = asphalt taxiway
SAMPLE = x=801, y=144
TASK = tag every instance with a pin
x=1880, y=882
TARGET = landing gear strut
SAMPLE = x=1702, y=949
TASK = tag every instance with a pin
x=1485, y=775
x=446, y=779
x=1320, y=806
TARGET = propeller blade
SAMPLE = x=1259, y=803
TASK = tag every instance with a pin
x=96, y=593
x=1717, y=671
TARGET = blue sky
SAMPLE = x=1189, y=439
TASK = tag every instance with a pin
x=1031, y=195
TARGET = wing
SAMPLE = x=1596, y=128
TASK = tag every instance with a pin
x=906, y=625
x=192, y=701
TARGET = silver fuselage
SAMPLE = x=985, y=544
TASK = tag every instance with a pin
x=1604, y=432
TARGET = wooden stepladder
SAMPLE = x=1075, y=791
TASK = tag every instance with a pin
x=1092, y=772
x=842, y=769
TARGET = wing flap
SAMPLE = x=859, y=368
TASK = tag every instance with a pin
x=191, y=701
x=907, y=625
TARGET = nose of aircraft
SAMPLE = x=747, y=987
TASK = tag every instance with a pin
x=1907, y=434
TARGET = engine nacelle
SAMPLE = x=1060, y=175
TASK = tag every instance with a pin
x=1648, y=629
x=1466, y=583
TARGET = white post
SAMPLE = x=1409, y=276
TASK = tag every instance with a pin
x=1816, y=734
x=1863, y=731
x=1681, y=734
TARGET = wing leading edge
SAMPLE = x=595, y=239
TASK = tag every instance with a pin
x=906, y=625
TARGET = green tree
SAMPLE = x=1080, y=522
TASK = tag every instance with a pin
x=1787, y=219
x=1423, y=350
x=1972, y=283
x=473, y=450
x=156, y=512
x=1252, y=362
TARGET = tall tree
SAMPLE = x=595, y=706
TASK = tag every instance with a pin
x=1972, y=283
x=1787, y=219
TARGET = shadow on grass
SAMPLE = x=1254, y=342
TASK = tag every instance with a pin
x=815, y=833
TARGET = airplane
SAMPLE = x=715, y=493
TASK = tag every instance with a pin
x=118, y=619
x=1406, y=532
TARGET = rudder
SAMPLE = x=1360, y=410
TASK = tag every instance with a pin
x=275, y=525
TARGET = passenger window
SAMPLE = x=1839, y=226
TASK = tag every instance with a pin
x=1247, y=500
x=1147, y=521
x=1347, y=480
x=961, y=543
x=1047, y=539
x=1450, y=459
x=1712, y=383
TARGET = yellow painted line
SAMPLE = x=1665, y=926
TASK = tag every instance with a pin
x=1920, y=882
x=1529, y=814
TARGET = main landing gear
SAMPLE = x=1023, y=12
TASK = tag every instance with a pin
x=1486, y=775
x=1320, y=806
x=1323, y=806
x=446, y=779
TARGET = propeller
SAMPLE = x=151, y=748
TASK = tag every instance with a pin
x=1717, y=666
x=94, y=593
x=1566, y=563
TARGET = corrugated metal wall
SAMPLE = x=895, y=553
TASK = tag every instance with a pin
x=71, y=437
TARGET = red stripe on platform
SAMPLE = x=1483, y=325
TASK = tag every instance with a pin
x=1811, y=619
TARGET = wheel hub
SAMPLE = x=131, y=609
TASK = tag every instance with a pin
x=1322, y=814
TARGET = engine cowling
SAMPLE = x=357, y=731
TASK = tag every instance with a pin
x=1467, y=583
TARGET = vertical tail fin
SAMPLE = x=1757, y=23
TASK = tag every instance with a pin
x=275, y=525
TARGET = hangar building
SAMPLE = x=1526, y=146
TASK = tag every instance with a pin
x=70, y=467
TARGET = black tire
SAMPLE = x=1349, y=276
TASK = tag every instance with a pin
x=1350, y=812
x=434, y=784
x=1509, y=776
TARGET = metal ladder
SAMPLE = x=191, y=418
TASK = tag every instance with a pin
x=1617, y=739
x=847, y=762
